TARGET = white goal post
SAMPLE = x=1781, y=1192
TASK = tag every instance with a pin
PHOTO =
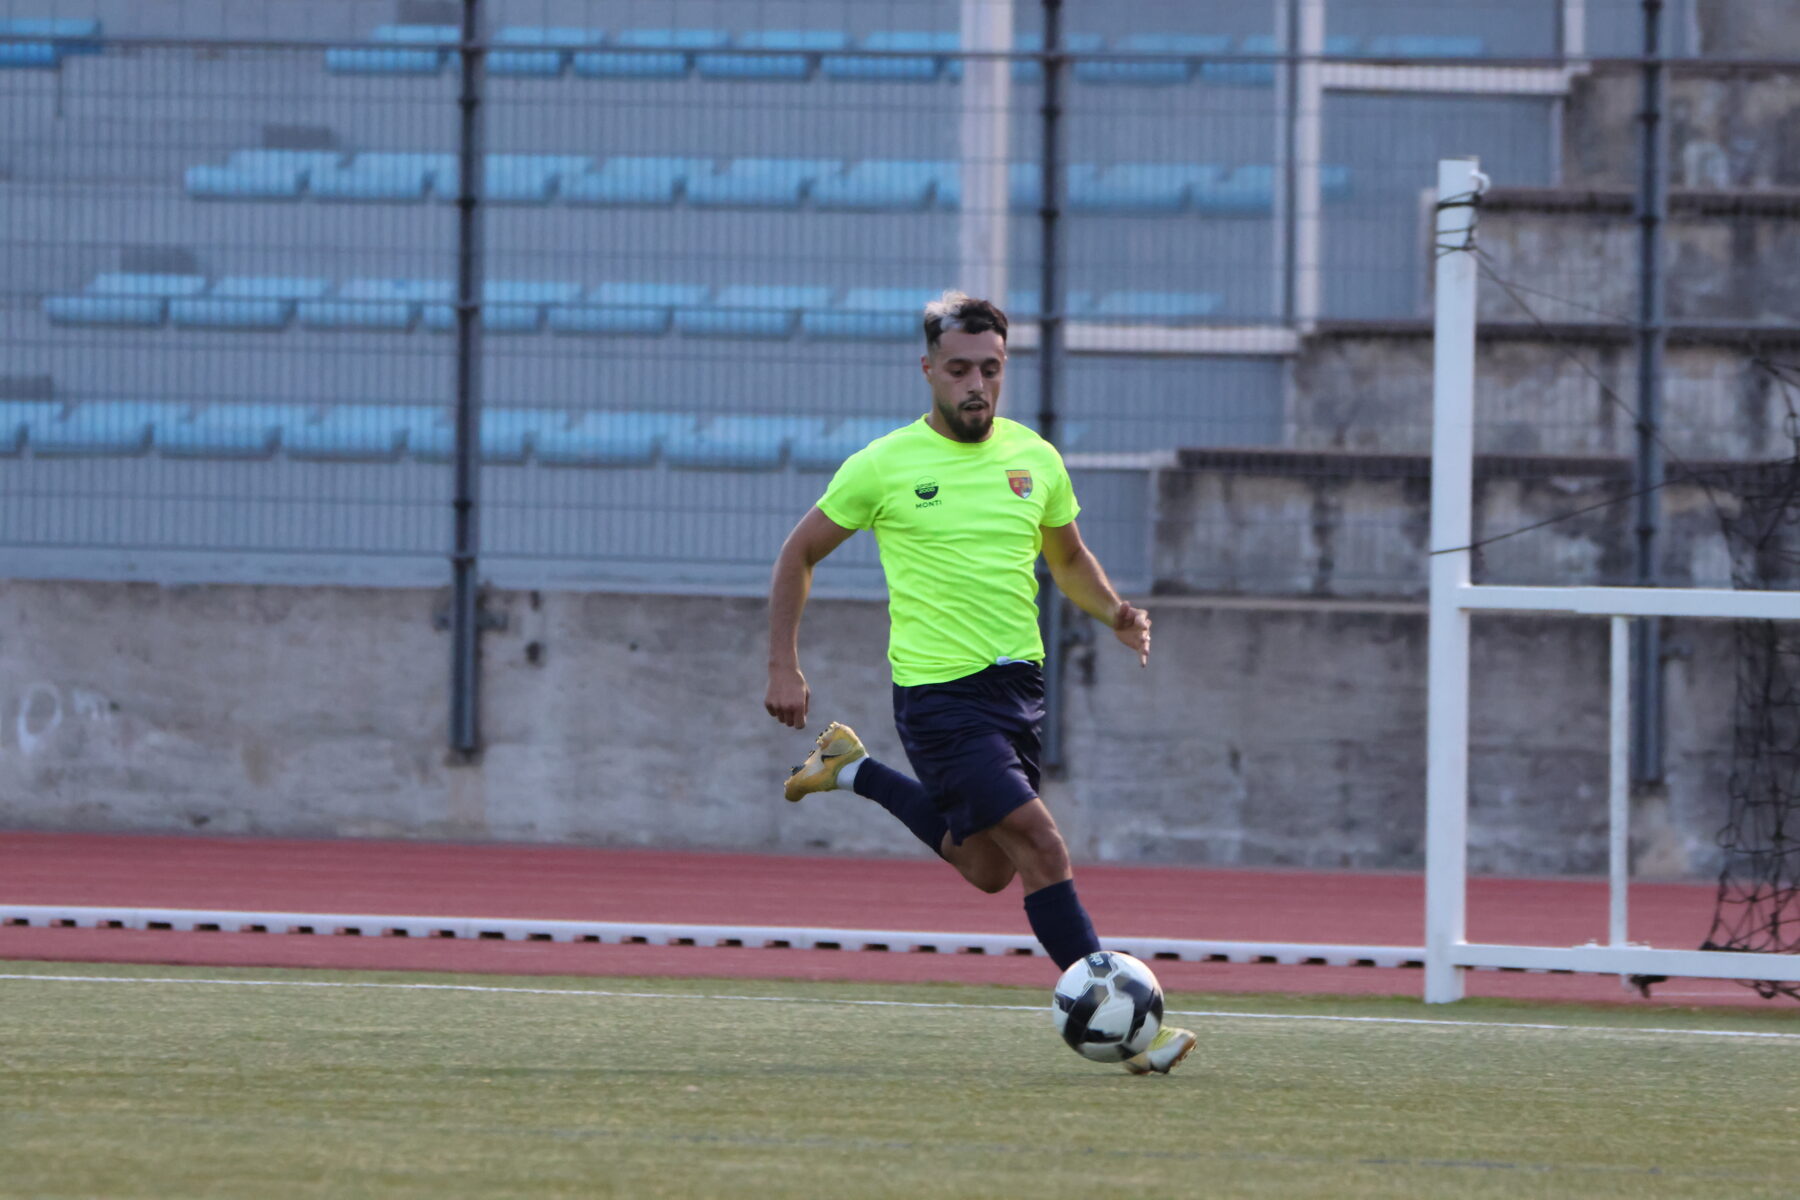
x=1453, y=598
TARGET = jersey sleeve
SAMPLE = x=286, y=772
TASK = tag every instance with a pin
x=1060, y=506
x=854, y=494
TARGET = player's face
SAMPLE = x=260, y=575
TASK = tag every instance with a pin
x=965, y=372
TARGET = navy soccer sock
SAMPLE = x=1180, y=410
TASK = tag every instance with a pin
x=902, y=796
x=1060, y=923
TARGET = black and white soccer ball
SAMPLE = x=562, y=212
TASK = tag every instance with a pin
x=1108, y=1006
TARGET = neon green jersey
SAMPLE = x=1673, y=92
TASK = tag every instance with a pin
x=958, y=528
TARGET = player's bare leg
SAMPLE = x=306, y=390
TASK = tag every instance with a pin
x=981, y=861
x=1032, y=843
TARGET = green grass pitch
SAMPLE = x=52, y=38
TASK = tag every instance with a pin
x=550, y=1087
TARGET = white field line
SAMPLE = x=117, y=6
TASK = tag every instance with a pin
x=1216, y=1014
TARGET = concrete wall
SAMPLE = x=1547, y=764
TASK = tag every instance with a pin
x=1273, y=733
x=1560, y=394
x=1358, y=525
x=1729, y=127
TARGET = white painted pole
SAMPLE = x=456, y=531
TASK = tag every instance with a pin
x=985, y=148
x=1574, y=30
x=1282, y=213
x=1309, y=145
x=1452, y=497
x=1618, y=847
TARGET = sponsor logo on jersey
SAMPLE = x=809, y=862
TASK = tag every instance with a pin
x=926, y=489
x=1021, y=483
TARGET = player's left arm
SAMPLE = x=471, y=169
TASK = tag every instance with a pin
x=1080, y=577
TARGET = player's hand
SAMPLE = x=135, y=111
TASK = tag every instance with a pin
x=1131, y=625
x=788, y=697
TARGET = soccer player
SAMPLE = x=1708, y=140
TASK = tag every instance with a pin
x=960, y=502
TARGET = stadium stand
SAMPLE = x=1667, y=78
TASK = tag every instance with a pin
x=1168, y=59
x=43, y=42
x=362, y=432
x=529, y=306
x=870, y=184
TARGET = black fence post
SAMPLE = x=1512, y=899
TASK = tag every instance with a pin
x=1050, y=354
x=465, y=601
x=1652, y=207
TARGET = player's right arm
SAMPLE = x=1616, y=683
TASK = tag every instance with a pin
x=816, y=536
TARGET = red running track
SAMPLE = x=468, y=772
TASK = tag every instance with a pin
x=577, y=883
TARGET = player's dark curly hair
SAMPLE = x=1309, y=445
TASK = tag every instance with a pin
x=955, y=310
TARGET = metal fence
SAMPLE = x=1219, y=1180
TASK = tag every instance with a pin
x=668, y=260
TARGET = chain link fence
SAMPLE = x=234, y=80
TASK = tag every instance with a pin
x=702, y=232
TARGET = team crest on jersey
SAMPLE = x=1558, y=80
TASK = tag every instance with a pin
x=1021, y=483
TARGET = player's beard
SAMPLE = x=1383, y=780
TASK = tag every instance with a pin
x=967, y=427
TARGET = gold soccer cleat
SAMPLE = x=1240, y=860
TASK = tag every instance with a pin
x=1168, y=1048
x=836, y=749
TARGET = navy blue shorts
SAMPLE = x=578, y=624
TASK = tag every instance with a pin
x=973, y=742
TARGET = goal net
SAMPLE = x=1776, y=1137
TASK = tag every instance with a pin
x=1758, y=905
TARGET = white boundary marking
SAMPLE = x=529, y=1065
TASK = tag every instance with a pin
x=1217, y=1014
x=373, y=925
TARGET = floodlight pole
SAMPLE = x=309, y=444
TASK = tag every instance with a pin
x=465, y=598
x=1447, y=649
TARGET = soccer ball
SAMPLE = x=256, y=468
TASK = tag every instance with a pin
x=1108, y=1006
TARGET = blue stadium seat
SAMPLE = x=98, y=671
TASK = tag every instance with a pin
x=29, y=55
x=1248, y=189
x=921, y=67
x=823, y=447
x=750, y=311
x=386, y=176
x=610, y=439
x=1163, y=308
x=64, y=35
x=106, y=427
x=758, y=182
x=1424, y=46
x=1024, y=304
x=354, y=314
x=625, y=308
x=399, y=58
x=353, y=432
x=230, y=430
x=1134, y=187
x=245, y=302
x=506, y=433
x=1024, y=186
x=865, y=313
x=122, y=298
x=878, y=184
x=258, y=174
x=676, y=46
x=1334, y=182
x=1032, y=71
x=770, y=66
x=528, y=178
x=735, y=443
x=507, y=305
x=1255, y=74
x=105, y=310
x=380, y=304
x=128, y=283
x=1157, y=71
x=17, y=418
x=543, y=64
x=629, y=180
